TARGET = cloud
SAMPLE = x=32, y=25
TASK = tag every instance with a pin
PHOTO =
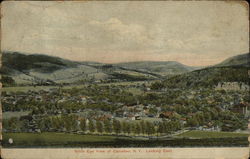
x=113, y=32
x=124, y=35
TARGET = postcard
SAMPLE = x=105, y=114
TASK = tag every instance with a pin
x=125, y=80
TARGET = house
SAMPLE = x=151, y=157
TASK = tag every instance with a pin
x=87, y=122
x=137, y=117
x=146, y=111
x=131, y=116
x=139, y=108
x=166, y=115
x=239, y=86
x=62, y=100
x=242, y=108
x=125, y=108
x=119, y=113
x=158, y=109
x=148, y=89
x=105, y=117
x=38, y=98
x=151, y=115
x=83, y=99
x=183, y=121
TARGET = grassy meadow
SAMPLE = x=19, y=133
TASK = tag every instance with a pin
x=187, y=139
x=209, y=134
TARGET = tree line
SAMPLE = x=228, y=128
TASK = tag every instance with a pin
x=72, y=123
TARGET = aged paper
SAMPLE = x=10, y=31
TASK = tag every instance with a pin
x=125, y=79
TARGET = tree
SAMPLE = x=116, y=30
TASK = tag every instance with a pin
x=152, y=96
x=142, y=126
x=44, y=124
x=192, y=122
x=153, y=111
x=128, y=128
x=91, y=126
x=124, y=126
x=200, y=118
x=7, y=81
x=13, y=123
x=157, y=86
x=117, y=126
x=73, y=119
x=133, y=128
x=214, y=114
x=25, y=125
x=160, y=128
x=138, y=128
x=83, y=125
x=70, y=122
x=207, y=116
x=5, y=124
x=56, y=123
x=149, y=128
x=107, y=126
x=99, y=127
x=246, y=98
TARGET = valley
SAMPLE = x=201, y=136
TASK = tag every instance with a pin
x=136, y=103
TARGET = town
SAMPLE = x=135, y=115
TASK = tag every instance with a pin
x=131, y=109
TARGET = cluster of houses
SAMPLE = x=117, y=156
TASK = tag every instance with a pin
x=136, y=111
x=236, y=86
x=43, y=96
x=28, y=96
x=242, y=108
x=133, y=112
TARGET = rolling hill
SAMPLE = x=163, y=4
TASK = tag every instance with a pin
x=208, y=77
x=234, y=69
x=41, y=63
x=162, y=67
x=24, y=69
x=239, y=60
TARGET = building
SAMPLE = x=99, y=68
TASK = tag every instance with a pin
x=242, y=108
x=237, y=86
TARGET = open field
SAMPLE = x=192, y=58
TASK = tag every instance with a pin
x=38, y=88
x=52, y=139
x=135, y=91
x=27, y=88
x=8, y=115
x=56, y=137
x=209, y=134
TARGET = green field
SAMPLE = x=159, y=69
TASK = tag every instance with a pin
x=55, y=137
x=27, y=88
x=38, y=88
x=8, y=115
x=209, y=134
x=52, y=139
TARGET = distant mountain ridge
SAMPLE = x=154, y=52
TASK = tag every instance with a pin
x=27, y=69
x=161, y=67
x=37, y=68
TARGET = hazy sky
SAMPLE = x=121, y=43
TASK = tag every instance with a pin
x=193, y=33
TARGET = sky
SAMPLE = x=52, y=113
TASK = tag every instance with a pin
x=194, y=33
